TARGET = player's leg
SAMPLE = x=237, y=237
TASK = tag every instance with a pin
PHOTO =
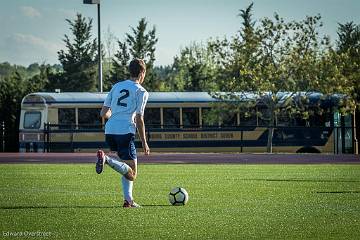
x=127, y=185
x=125, y=164
x=127, y=179
x=132, y=173
x=113, y=162
x=101, y=157
x=128, y=154
x=119, y=166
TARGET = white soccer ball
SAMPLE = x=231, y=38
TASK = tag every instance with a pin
x=178, y=196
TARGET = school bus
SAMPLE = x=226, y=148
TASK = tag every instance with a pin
x=176, y=122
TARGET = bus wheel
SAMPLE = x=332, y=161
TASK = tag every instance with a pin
x=308, y=150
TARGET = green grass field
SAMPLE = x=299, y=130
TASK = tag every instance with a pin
x=226, y=202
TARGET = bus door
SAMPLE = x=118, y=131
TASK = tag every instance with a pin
x=347, y=134
x=343, y=133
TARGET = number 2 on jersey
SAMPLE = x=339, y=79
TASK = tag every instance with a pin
x=123, y=97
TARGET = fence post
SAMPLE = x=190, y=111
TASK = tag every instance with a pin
x=48, y=137
x=72, y=129
x=354, y=132
x=241, y=140
x=3, y=135
x=45, y=137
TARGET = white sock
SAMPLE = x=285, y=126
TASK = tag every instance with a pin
x=127, y=187
x=120, y=167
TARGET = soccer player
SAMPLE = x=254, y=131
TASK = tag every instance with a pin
x=124, y=108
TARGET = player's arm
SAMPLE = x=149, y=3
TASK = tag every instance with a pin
x=140, y=125
x=105, y=112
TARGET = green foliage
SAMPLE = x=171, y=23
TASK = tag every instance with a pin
x=15, y=83
x=120, y=63
x=140, y=43
x=6, y=70
x=349, y=38
x=109, y=43
x=11, y=92
x=349, y=44
x=277, y=57
x=249, y=202
x=163, y=75
x=266, y=59
x=193, y=70
x=80, y=59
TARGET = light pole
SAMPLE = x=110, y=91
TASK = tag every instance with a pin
x=99, y=42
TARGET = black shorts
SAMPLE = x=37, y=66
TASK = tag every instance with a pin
x=124, y=145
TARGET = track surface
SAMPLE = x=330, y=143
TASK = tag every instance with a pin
x=187, y=158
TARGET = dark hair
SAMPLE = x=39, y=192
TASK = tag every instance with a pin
x=136, y=66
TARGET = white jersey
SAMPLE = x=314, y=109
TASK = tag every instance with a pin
x=126, y=99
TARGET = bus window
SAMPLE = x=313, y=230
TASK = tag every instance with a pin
x=89, y=118
x=66, y=117
x=190, y=117
x=171, y=117
x=32, y=120
x=283, y=119
x=299, y=121
x=229, y=120
x=208, y=118
x=318, y=118
x=263, y=116
x=152, y=117
x=248, y=118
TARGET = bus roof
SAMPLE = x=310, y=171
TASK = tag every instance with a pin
x=156, y=97
x=95, y=97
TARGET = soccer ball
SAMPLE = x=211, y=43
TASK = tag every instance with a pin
x=178, y=196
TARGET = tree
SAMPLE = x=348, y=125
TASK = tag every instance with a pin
x=5, y=69
x=349, y=38
x=349, y=43
x=193, y=70
x=109, y=43
x=80, y=59
x=120, y=63
x=281, y=64
x=14, y=85
x=164, y=75
x=11, y=91
x=39, y=81
x=13, y=88
x=139, y=44
x=232, y=55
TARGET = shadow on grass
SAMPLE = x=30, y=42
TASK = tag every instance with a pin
x=74, y=207
x=340, y=192
x=156, y=205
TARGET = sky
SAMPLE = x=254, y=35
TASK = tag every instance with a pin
x=33, y=30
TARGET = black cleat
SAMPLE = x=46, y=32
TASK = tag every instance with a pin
x=100, y=161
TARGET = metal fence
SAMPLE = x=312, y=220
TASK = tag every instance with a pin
x=9, y=137
x=2, y=136
x=343, y=138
